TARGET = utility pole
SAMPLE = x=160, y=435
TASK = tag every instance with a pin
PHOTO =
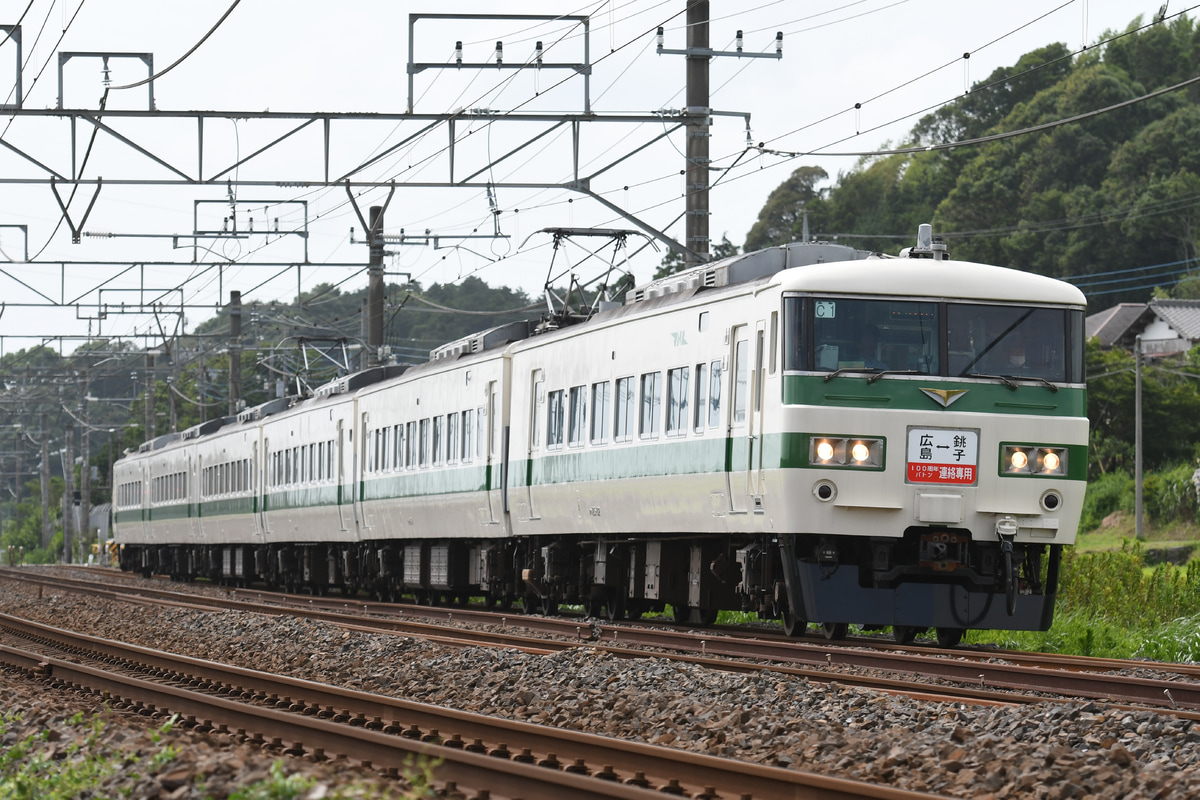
x=47, y=534
x=696, y=183
x=699, y=121
x=68, y=465
x=1139, y=534
x=149, y=395
x=375, y=287
x=235, y=351
x=85, y=469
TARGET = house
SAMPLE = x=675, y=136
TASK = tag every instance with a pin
x=1166, y=326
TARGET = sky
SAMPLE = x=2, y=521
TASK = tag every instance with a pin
x=896, y=60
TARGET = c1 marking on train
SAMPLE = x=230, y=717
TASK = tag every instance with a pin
x=944, y=397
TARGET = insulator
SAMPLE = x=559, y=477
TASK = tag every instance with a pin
x=739, y=41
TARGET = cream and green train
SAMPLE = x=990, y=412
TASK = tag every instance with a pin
x=811, y=432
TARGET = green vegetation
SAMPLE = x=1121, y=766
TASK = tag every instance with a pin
x=37, y=767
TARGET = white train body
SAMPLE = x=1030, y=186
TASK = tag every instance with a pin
x=809, y=431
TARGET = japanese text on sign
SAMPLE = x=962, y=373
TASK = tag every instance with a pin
x=939, y=455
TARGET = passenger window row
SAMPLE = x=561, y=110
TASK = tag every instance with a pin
x=636, y=407
x=169, y=488
x=455, y=438
x=232, y=477
x=309, y=463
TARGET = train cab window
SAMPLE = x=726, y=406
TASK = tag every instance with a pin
x=577, y=416
x=554, y=420
x=873, y=335
x=651, y=407
x=1013, y=341
x=677, y=401
x=714, y=395
x=601, y=405
x=623, y=411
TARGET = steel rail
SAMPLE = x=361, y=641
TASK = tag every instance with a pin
x=658, y=764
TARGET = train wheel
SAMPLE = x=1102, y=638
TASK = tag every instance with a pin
x=530, y=603
x=633, y=610
x=681, y=614
x=835, y=631
x=549, y=605
x=594, y=607
x=614, y=606
x=708, y=616
x=793, y=625
x=904, y=634
x=950, y=637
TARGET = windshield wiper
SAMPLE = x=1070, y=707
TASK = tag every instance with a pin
x=883, y=372
x=844, y=370
x=1008, y=381
x=1037, y=378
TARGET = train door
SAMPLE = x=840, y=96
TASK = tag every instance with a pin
x=342, y=489
x=256, y=492
x=486, y=437
x=525, y=507
x=194, y=495
x=739, y=422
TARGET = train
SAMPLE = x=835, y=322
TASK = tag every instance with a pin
x=818, y=434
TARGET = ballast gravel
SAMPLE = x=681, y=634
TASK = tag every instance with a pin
x=1046, y=751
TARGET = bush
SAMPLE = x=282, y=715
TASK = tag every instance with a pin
x=1110, y=492
x=1169, y=495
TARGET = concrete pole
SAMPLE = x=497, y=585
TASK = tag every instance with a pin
x=1139, y=534
x=697, y=183
x=68, y=464
x=47, y=533
x=85, y=470
x=149, y=396
x=235, y=351
x=375, y=288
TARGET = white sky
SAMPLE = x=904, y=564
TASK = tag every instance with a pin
x=308, y=56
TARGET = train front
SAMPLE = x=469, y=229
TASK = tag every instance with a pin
x=934, y=444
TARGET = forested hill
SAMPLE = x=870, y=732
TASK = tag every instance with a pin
x=1117, y=192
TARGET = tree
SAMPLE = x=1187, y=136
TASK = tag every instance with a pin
x=784, y=209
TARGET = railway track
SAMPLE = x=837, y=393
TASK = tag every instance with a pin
x=974, y=676
x=506, y=758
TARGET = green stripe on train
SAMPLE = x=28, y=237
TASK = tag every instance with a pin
x=980, y=398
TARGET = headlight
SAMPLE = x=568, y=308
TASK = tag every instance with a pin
x=831, y=451
x=1034, y=460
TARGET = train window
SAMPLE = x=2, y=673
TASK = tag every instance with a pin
x=385, y=452
x=577, y=420
x=398, y=447
x=714, y=395
x=1006, y=340
x=623, y=416
x=329, y=457
x=758, y=371
x=439, y=439
x=320, y=461
x=554, y=420
x=651, y=408
x=698, y=402
x=677, y=401
x=741, y=380
x=452, y=438
x=287, y=467
x=774, y=340
x=601, y=402
x=702, y=323
x=875, y=335
x=411, y=435
x=424, y=444
x=468, y=438
x=535, y=438
x=309, y=469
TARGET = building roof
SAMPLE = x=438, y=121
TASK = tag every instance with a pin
x=1182, y=315
x=1119, y=325
x=1113, y=325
